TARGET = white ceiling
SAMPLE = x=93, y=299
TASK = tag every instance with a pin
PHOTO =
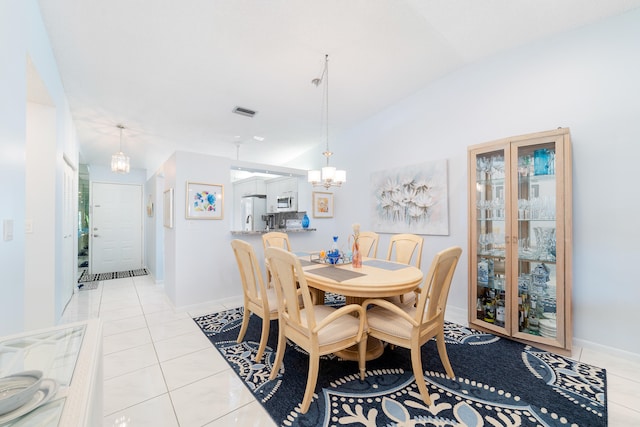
x=172, y=71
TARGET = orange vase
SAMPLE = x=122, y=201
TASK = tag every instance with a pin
x=356, y=261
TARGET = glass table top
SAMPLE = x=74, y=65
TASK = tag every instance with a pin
x=55, y=353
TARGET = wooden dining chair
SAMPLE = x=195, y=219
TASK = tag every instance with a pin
x=368, y=241
x=276, y=239
x=318, y=329
x=410, y=327
x=258, y=298
x=402, y=248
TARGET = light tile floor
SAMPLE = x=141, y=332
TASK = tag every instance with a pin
x=160, y=370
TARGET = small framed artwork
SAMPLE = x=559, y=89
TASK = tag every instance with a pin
x=168, y=208
x=150, y=206
x=322, y=205
x=204, y=201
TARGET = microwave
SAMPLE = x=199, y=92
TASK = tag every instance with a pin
x=287, y=203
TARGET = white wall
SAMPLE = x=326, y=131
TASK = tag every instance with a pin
x=13, y=46
x=40, y=172
x=199, y=263
x=586, y=80
x=22, y=36
x=101, y=173
x=154, y=233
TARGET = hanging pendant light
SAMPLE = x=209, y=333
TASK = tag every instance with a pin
x=120, y=162
x=328, y=176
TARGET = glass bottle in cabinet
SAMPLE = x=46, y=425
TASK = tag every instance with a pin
x=520, y=238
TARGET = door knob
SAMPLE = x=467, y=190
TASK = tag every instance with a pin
x=96, y=235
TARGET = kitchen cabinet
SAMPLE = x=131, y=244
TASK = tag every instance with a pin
x=278, y=187
x=249, y=187
x=520, y=238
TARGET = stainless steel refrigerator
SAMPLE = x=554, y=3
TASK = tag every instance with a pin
x=253, y=208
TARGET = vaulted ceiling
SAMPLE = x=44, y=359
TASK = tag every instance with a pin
x=172, y=71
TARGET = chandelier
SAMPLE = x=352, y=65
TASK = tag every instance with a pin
x=328, y=176
x=120, y=162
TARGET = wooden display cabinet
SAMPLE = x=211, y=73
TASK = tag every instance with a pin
x=520, y=238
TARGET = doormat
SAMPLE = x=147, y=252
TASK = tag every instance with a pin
x=88, y=286
x=116, y=275
x=498, y=382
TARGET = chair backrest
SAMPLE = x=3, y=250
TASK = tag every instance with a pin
x=435, y=290
x=252, y=282
x=276, y=239
x=404, y=246
x=288, y=278
x=368, y=241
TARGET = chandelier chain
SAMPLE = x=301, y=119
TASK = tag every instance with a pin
x=328, y=176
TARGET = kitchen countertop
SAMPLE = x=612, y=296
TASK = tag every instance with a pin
x=282, y=230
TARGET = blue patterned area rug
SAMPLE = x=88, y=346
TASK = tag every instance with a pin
x=498, y=382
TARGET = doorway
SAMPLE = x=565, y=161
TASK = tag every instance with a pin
x=116, y=227
x=83, y=219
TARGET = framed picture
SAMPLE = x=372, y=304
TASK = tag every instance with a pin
x=204, y=201
x=150, y=206
x=322, y=205
x=168, y=208
x=411, y=199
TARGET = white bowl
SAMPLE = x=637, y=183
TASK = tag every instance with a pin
x=18, y=389
x=548, y=324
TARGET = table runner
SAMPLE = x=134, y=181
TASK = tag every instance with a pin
x=305, y=263
x=335, y=273
x=378, y=263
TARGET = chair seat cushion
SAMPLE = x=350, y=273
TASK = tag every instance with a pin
x=408, y=299
x=390, y=323
x=342, y=328
x=272, y=299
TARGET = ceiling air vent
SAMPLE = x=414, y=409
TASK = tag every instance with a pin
x=244, y=111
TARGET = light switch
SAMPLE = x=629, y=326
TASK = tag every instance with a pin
x=7, y=229
x=28, y=226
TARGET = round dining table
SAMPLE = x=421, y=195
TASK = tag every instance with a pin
x=375, y=279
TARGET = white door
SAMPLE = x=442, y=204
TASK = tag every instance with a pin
x=116, y=227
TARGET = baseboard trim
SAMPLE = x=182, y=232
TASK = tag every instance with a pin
x=456, y=315
x=624, y=354
x=460, y=316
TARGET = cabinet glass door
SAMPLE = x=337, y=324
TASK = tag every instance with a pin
x=537, y=237
x=489, y=232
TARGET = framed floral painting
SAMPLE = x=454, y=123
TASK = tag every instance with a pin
x=322, y=205
x=411, y=199
x=204, y=201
